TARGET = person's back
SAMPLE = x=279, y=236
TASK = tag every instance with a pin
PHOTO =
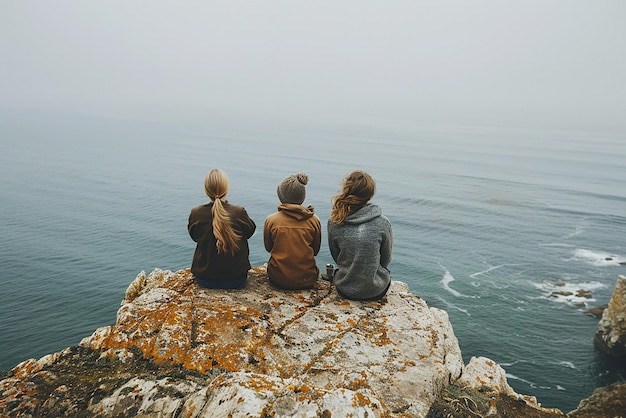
x=360, y=241
x=221, y=232
x=293, y=237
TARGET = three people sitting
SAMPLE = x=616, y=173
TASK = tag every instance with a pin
x=359, y=238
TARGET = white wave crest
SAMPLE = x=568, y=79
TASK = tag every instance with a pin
x=513, y=377
x=445, y=283
x=579, y=230
x=480, y=273
x=598, y=258
x=567, y=364
x=571, y=293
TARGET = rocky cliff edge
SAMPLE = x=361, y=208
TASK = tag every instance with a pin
x=179, y=350
x=611, y=334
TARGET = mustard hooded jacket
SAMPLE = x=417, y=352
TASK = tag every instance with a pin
x=293, y=237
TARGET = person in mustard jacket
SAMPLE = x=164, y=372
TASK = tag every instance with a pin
x=293, y=237
x=221, y=232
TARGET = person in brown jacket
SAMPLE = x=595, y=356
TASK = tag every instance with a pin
x=221, y=231
x=293, y=237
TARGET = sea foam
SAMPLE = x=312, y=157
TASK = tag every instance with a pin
x=569, y=292
x=445, y=283
x=598, y=258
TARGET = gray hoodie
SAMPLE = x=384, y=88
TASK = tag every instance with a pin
x=361, y=247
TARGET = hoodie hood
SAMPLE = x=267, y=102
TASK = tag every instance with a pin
x=298, y=212
x=365, y=214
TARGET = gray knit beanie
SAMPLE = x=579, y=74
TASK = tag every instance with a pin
x=291, y=189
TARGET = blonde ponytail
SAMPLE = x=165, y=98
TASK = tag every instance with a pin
x=216, y=187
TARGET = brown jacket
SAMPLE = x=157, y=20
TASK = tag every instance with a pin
x=207, y=263
x=292, y=236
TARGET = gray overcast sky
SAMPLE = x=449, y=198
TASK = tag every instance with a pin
x=408, y=59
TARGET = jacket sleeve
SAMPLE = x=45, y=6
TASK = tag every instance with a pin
x=386, y=246
x=191, y=227
x=317, y=237
x=268, y=240
x=334, y=250
x=247, y=224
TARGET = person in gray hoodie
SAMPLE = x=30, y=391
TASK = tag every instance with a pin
x=360, y=240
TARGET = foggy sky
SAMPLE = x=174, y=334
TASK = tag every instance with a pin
x=561, y=60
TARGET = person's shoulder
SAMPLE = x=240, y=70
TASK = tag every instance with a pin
x=334, y=226
x=233, y=207
x=273, y=216
x=384, y=222
x=200, y=208
x=236, y=210
x=316, y=219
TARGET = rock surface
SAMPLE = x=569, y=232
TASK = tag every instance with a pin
x=288, y=351
x=606, y=402
x=611, y=334
x=179, y=350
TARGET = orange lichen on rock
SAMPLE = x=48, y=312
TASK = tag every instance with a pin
x=358, y=382
x=381, y=338
x=255, y=351
x=335, y=347
x=361, y=400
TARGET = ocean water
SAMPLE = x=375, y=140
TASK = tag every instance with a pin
x=488, y=221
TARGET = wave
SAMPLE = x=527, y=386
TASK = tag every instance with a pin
x=446, y=280
x=445, y=283
x=567, y=364
x=575, y=294
x=555, y=244
x=480, y=273
x=598, y=258
x=579, y=230
x=510, y=376
x=483, y=276
x=513, y=363
x=465, y=311
x=449, y=306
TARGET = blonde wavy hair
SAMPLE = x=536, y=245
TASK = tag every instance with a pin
x=216, y=187
x=358, y=189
